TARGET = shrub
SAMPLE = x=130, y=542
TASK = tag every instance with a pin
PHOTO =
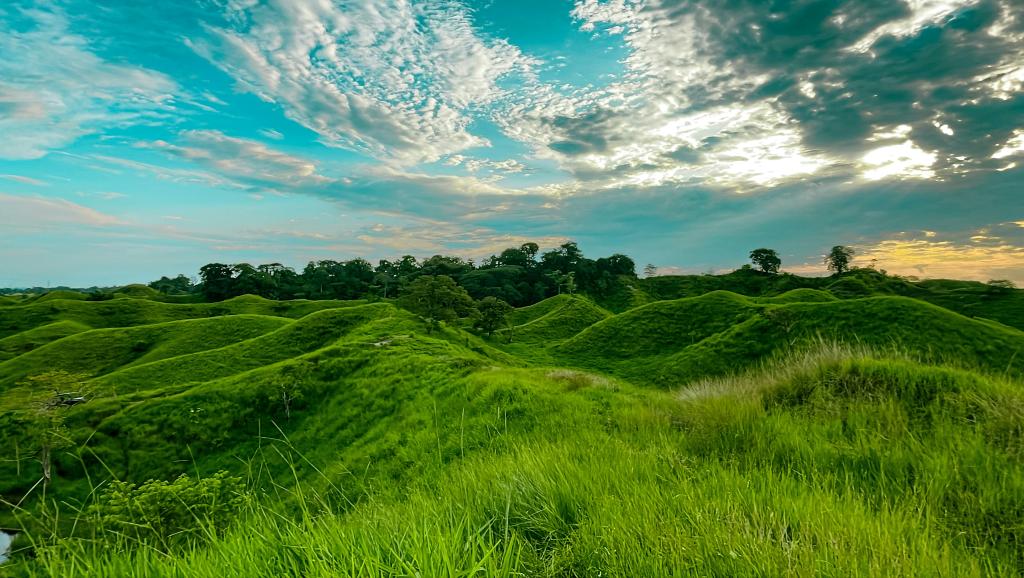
x=168, y=515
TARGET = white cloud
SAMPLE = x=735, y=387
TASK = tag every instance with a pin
x=54, y=89
x=921, y=13
x=36, y=213
x=394, y=79
x=905, y=161
x=271, y=133
x=1013, y=146
x=643, y=130
x=25, y=180
x=242, y=158
x=474, y=165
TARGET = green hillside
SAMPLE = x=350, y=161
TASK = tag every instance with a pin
x=26, y=341
x=128, y=312
x=100, y=351
x=560, y=319
x=671, y=342
x=523, y=315
x=797, y=433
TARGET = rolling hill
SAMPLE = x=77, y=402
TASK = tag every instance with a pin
x=798, y=433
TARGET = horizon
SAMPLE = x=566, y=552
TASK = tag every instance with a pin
x=148, y=140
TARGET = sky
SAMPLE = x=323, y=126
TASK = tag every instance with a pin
x=140, y=139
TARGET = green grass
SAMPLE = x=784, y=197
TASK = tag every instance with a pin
x=836, y=464
x=562, y=320
x=524, y=315
x=802, y=296
x=127, y=312
x=717, y=435
x=308, y=334
x=26, y=341
x=669, y=343
x=138, y=291
x=99, y=351
x=61, y=294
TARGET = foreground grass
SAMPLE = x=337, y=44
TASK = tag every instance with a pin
x=834, y=463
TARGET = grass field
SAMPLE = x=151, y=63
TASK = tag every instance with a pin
x=795, y=433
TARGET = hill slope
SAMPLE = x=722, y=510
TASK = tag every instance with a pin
x=669, y=343
x=127, y=312
x=100, y=351
x=369, y=445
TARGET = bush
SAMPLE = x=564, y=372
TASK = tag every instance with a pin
x=169, y=515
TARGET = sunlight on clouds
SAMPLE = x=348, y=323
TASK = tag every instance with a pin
x=904, y=160
x=399, y=81
x=1012, y=147
x=922, y=13
x=947, y=259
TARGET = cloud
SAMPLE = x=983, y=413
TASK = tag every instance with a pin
x=54, y=89
x=271, y=133
x=23, y=213
x=25, y=180
x=475, y=165
x=247, y=160
x=948, y=259
x=745, y=95
x=397, y=80
x=904, y=160
x=257, y=168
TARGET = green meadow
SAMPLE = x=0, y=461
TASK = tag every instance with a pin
x=732, y=425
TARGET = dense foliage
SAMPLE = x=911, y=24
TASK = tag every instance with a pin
x=518, y=275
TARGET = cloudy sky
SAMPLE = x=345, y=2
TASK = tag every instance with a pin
x=143, y=138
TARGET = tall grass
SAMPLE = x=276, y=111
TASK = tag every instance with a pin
x=837, y=462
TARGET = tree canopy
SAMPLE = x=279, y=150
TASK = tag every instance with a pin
x=437, y=298
x=838, y=259
x=767, y=260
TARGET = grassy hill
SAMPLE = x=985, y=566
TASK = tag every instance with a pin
x=100, y=351
x=127, y=312
x=671, y=342
x=554, y=319
x=795, y=431
x=969, y=298
x=26, y=341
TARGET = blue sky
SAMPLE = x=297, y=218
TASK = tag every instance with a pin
x=139, y=139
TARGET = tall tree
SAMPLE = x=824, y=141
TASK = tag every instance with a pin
x=217, y=281
x=52, y=393
x=437, y=298
x=838, y=259
x=493, y=314
x=650, y=270
x=766, y=260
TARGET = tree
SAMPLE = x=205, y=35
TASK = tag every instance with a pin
x=766, y=260
x=650, y=270
x=838, y=259
x=570, y=282
x=52, y=393
x=1001, y=286
x=289, y=385
x=530, y=249
x=493, y=314
x=180, y=285
x=217, y=281
x=437, y=298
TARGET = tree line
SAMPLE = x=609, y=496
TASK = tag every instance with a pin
x=518, y=275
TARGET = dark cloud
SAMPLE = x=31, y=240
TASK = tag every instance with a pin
x=913, y=79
